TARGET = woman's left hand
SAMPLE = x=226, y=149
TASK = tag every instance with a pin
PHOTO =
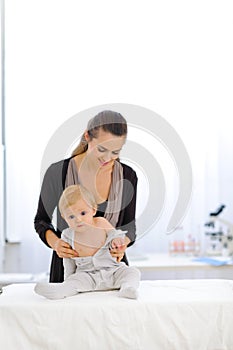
x=119, y=252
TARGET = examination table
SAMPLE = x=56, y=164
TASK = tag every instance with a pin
x=169, y=315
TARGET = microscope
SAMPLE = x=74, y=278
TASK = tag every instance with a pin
x=221, y=243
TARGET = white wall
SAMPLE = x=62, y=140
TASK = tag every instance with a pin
x=2, y=241
x=66, y=56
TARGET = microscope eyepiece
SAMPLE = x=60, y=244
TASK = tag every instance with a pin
x=218, y=211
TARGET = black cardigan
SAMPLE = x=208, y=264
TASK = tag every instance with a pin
x=51, y=190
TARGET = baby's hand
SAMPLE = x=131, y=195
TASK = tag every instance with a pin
x=118, y=243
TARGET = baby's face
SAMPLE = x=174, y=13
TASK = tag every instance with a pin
x=79, y=216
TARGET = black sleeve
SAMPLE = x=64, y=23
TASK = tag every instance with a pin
x=50, y=193
x=127, y=215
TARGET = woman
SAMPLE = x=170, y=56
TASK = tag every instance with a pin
x=94, y=164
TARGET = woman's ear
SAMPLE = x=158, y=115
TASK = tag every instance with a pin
x=94, y=211
x=86, y=136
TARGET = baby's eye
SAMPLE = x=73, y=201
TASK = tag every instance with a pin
x=71, y=217
x=83, y=213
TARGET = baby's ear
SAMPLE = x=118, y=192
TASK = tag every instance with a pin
x=94, y=211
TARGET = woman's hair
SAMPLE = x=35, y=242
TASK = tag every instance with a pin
x=74, y=193
x=108, y=121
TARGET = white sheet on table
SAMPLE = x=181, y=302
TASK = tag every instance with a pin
x=181, y=314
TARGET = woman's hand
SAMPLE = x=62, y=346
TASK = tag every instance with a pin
x=64, y=250
x=119, y=246
x=117, y=253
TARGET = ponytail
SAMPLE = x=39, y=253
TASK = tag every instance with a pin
x=82, y=146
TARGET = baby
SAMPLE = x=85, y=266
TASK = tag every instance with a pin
x=92, y=237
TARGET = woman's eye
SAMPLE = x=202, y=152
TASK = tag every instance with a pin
x=116, y=153
x=83, y=213
x=71, y=217
x=101, y=149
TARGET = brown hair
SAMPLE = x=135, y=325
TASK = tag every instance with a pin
x=74, y=193
x=108, y=121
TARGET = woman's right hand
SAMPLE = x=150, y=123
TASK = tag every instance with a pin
x=64, y=250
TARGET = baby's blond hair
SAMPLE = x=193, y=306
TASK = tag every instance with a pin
x=74, y=193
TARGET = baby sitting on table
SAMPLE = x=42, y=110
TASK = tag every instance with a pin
x=92, y=237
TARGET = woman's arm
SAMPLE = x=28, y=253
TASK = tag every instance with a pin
x=49, y=196
x=51, y=190
x=127, y=220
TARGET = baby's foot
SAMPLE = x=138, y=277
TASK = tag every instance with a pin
x=128, y=292
x=48, y=290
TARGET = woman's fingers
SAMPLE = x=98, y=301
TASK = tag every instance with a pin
x=118, y=254
x=64, y=250
x=120, y=257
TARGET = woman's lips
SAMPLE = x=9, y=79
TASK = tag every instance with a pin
x=103, y=163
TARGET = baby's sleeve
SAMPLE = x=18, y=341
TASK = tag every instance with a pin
x=69, y=267
x=68, y=263
x=114, y=233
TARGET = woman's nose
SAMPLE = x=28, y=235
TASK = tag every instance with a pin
x=108, y=157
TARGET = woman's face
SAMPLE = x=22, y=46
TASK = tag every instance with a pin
x=104, y=149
